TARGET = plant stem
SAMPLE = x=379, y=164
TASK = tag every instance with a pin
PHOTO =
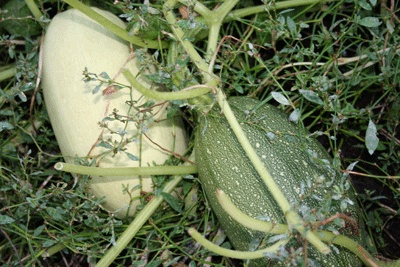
x=179, y=34
x=240, y=13
x=138, y=222
x=127, y=171
x=113, y=27
x=215, y=24
x=293, y=218
x=7, y=72
x=195, y=90
x=276, y=228
x=244, y=219
x=236, y=254
x=34, y=9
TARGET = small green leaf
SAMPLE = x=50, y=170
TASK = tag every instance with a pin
x=371, y=140
x=373, y=2
x=49, y=243
x=280, y=98
x=38, y=230
x=291, y=24
x=104, y=144
x=5, y=125
x=4, y=219
x=173, y=202
x=311, y=96
x=364, y=5
x=295, y=115
x=370, y=22
x=132, y=157
x=105, y=75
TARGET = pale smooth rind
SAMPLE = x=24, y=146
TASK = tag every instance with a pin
x=72, y=42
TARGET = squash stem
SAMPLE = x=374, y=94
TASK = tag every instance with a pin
x=180, y=35
x=190, y=92
x=215, y=24
x=135, y=226
x=236, y=254
x=34, y=9
x=292, y=217
x=277, y=228
x=155, y=44
x=127, y=171
x=249, y=222
x=7, y=71
x=243, y=12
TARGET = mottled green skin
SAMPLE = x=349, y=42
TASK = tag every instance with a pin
x=222, y=164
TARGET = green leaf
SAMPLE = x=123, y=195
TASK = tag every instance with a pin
x=132, y=157
x=4, y=219
x=371, y=140
x=311, y=96
x=173, y=202
x=370, y=22
x=364, y=5
x=295, y=115
x=38, y=230
x=291, y=24
x=5, y=125
x=280, y=98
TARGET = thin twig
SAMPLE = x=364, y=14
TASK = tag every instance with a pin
x=38, y=79
x=12, y=246
x=166, y=150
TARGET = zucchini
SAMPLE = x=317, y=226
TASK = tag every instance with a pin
x=72, y=43
x=290, y=156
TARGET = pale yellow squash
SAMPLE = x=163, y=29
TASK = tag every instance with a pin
x=72, y=42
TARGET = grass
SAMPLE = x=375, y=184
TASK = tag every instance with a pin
x=347, y=105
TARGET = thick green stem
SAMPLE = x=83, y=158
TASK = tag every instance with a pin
x=137, y=223
x=293, y=218
x=245, y=220
x=127, y=171
x=215, y=23
x=236, y=254
x=195, y=90
x=276, y=228
x=115, y=28
x=34, y=9
x=240, y=13
x=179, y=35
x=7, y=72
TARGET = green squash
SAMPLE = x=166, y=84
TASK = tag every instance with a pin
x=287, y=152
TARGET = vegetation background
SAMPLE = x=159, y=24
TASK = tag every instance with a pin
x=353, y=106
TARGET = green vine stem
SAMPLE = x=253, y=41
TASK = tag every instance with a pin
x=127, y=171
x=276, y=228
x=138, y=222
x=217, y=16
x=190, y=92
x=7, y=72
x=200, y=63
x=239, y=13
x=236, y=254
x=34, y=9
x=115, y=28
x=293, y=218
